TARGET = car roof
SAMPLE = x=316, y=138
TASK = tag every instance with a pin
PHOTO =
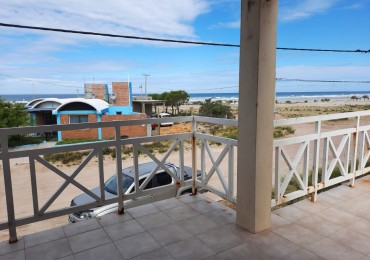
x=164, y=114
x=145, y=168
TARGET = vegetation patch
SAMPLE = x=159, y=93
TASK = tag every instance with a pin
x=282, y=131
x=24, y=140
x=76, y=141
x=232, y=132
x=65, y=158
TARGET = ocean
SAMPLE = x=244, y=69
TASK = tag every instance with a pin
x=199, y=97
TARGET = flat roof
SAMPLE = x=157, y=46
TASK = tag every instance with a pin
x=148, y=101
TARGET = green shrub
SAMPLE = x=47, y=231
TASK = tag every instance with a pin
x=24, y=140
x=66, y=157
x=281, y=131
x=76, y=141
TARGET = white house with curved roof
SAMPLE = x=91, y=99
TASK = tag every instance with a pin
x=47, y=111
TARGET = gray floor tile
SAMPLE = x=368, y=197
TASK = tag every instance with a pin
x=319, y=225
x=291, y=213
x=6, y=248
x=88, y=240
x=191, y=248
x=159, y=254
x=70, y=257
x=303, y=254
x=142, y=210
x=204, y=206
x=278, y=221
x=169, y=234
x=344, y=192
x=273, y=245
x=43, y=237
x=362, y=226
x=188, y=198
x=129, y=247
x=352, y=239
x=243, y=251
x=17, y=255
x=329, y=199
x=357, y=207
x=239, y=232
x=154, y=220
x=113, y=218
x=338, y=216
x=220, y=239
x=107, y=251
x=168, y=204
x=52, y=250
x=181, y=212
x=198, y=224
x=123, y=229
x=222, y=217
x=81, y=227
x=329, y=249
x=312, y=207
x=298, y=234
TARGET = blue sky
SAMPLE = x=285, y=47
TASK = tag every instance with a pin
x=64, y=62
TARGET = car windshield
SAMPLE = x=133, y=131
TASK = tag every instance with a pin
x=111, y=184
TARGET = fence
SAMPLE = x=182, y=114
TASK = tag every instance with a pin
x=342, y=154
x=43, y=212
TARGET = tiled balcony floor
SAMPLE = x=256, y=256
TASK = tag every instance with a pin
x=337, y=226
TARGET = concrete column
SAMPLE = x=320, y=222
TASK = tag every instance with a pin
x=100, y=136
x=256, y=106
x=59, y=132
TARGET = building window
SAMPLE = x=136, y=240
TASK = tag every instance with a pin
x=78, y=119
x=118, y=113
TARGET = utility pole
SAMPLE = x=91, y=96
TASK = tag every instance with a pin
x=146, y=77
x=141, y=89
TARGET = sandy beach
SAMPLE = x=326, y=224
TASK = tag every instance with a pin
x=48, y=182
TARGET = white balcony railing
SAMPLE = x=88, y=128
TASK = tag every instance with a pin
x=296, y=160
x=325, y=157
x=44, y=211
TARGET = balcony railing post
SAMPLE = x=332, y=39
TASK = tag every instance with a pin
x=194, y=157
x=8, y=189
x=316, y=158
x=119, y=169
x=354, y=151
x=231, y=173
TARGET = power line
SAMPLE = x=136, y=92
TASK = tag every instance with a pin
x=324, y=81
x=37, y=81
x=171, y=40
x=116, y=35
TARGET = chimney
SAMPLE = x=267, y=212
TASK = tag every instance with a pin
x=122, y=93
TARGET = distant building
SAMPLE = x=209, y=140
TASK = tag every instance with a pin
x=98, y=105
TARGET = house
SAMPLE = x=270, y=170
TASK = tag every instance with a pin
x=98, y=105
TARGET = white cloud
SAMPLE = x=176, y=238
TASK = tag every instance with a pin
x=233, y=25
x=305, y=9
x=165, y=18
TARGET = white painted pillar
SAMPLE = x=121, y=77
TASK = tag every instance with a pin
x=256, y=113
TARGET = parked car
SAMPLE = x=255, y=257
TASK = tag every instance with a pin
x=162, y=115
x=161, y=178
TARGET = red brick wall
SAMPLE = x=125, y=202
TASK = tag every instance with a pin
x=107, y=133
x=99, y=91
x=131, y=131
x=79, y=134
x=122, y=93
